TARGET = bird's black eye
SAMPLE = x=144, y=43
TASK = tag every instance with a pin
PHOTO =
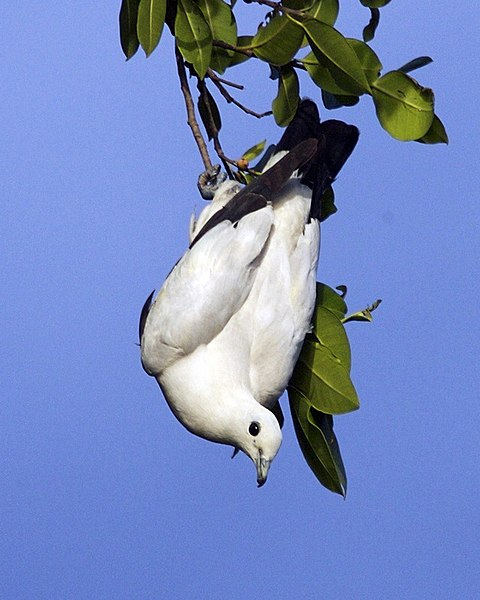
x=254, y=428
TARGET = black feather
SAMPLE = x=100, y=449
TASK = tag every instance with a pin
x=317, y=150
x=305, y=124
x=233, y=212
x=339, y=141
x=336, y=141
x=144, y=315
x=262, y=190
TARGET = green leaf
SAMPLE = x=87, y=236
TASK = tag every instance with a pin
x=318, y=443
x=151, y=18
x=371, y=27
x=221, y=20
x=278, y=41
x=436, y=134
x=330, y=332
x=193, y=35
x=267, y=155
x=322, y=372
x=254, y=151
x=323, y=379
x=285, y=104
x=243, y=178
x=363, y=315
x=244, y=42
x=322, y=77
x=337, y=68
x=416, y=63
x=332, y=101
x=404, y=108
x=328, y=298
x=324, y=10
x=328, y=207
x=128, y=27
x=209, y=114
x=374, y=3
x=370, y=62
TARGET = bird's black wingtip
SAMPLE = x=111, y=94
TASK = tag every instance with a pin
x=341, y=141
x=305, y=124
x=336, y=141
x=144, y=315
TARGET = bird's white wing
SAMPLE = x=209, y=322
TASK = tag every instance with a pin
x=211, y=282
x=223, y=195
x=283, y=295
x=205, y=289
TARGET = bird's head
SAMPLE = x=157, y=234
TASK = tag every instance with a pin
x=223, y=414
x=260, y=438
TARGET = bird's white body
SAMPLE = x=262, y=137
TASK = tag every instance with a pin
x=229, y=322
x=225, y=331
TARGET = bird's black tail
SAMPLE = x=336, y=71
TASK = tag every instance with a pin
x=317, y=150
x=336, y=141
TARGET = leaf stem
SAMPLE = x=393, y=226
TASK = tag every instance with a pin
x=226, y=46
x=218, y=82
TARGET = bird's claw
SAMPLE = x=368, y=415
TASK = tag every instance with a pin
x=209, y=182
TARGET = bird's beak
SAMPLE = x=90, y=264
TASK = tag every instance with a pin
x=262, y=465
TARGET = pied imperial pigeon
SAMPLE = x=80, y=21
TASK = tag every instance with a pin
x=224, y=333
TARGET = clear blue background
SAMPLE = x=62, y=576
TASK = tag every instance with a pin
x=103, y=494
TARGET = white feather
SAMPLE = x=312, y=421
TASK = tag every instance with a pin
x=224, y=333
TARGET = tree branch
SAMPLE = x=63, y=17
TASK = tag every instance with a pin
x=213, y=130
x=191, y=120
x=214, y=77
x=225, y=46
x=218, y=82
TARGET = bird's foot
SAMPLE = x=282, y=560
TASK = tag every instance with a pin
x=209, y=182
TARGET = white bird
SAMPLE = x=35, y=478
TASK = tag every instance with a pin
x=225, y=331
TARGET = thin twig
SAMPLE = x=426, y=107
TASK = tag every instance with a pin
x=214, y=76
x=191, y=120
x=215, y=135
x=226, y=46
x=212, y=128
x=231, y=100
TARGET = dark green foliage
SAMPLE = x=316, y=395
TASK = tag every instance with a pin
x=404, y=108
x=343, y=68
x=371, y=27
x=321, y=387
x=150, y=21
x=193, y=36
x=318, y=443
x=128, y=27
x=278, y=41
x=285, y=104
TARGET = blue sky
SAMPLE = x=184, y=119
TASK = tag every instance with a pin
x=104, y=495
